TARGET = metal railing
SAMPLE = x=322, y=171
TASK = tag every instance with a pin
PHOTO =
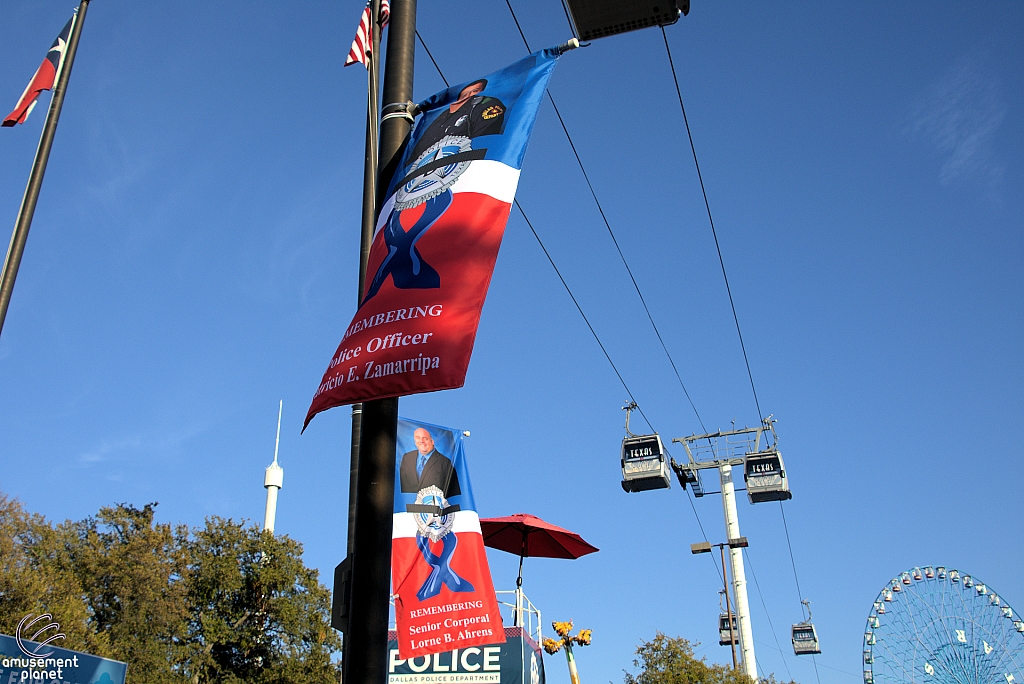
x=523, y=613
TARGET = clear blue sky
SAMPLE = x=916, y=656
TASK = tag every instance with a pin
x=193, y=261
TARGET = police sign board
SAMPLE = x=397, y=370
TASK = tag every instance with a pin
x=517, y=661
x=54, y=665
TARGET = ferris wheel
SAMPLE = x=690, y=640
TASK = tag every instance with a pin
x=937, y=626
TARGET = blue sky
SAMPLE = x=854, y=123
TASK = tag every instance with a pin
x=193, y=261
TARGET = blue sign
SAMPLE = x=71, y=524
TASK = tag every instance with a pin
x=54, y=665
x=517, y=661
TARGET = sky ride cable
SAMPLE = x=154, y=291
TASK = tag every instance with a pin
x=714, y=233
x=608, y=226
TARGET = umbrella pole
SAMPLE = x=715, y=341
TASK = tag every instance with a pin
x=518, y=620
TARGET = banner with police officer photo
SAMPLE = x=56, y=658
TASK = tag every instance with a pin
x=437, y=238
x=444, y=594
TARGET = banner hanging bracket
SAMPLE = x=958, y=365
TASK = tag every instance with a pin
x=401, y=110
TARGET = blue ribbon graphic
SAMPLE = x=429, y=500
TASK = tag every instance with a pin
x=442, y=572
x=404, y=263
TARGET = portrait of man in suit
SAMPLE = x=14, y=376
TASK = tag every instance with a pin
x=427, y=466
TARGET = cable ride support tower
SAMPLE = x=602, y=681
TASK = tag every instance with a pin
x=755, y=449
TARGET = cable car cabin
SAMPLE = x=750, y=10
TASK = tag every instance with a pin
x=725, y=638
x=643, y=464
x=765, y=475
x=805, y=639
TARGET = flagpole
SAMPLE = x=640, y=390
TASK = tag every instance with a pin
x=35, y=180
x=369, y=215
x=366, y=234
x=367, y=638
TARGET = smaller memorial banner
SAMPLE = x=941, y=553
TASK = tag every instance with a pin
x=22, y=660
x=444, y=594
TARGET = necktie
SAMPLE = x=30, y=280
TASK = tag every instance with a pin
x=421, y=461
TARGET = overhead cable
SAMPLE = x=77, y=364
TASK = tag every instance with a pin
x=608, y=226
x=714, y=233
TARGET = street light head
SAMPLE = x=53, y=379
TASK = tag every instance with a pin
x=738, y=543
x=700, y=547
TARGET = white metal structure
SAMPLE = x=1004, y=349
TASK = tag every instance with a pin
x=739, y=577
x=723, y=450
x=273, y=479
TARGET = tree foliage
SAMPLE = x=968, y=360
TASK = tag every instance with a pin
x=223, y=603
x=670, y=660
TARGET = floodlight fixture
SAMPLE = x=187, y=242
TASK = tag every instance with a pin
x=700, y=547
x=594, y=19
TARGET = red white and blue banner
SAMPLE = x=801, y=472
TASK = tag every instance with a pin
x=444, y=593
x=46, y=75
x=437, y=238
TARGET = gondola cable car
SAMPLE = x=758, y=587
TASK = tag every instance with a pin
x=805, y=636
x=765, y=472
x=727, y=634
x=643, y=462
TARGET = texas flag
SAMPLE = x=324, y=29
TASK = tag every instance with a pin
x=46, y=75
x=444, y=594
x=437, y=238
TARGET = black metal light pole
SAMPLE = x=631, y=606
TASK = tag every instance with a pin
x=705, y=547
x=367, y=635
x=35, y=179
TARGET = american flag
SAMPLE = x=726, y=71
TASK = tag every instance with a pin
x=361, y=44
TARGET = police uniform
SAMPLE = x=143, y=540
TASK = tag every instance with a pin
x=481, y=115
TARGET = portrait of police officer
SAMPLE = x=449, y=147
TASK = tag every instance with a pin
x=470, y=116
x=426, y=466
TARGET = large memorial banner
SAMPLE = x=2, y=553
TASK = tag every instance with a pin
x=23, y=660
x=437, y=238
x=444, y=594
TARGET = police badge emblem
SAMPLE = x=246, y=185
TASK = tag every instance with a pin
x=492, y=111
x=439, y=177
x=432, y=525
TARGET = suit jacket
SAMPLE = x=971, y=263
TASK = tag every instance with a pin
x=437, y=471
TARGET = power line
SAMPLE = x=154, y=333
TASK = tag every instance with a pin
x=714, y=233
x=608, y=226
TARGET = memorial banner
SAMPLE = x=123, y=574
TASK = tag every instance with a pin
x=437, y=238
x=444, y=594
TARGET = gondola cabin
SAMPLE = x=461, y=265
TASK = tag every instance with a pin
x=805, y=639
x=644, y=466
x=725, y=637
x=765, y=475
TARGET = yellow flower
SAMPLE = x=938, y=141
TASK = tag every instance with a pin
x=552, y=646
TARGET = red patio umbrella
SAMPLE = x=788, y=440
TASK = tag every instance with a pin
x=527, y=535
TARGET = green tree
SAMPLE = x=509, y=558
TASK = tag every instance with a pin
x=36, y=576
x=670, y=660
x=131, y=570
x=257, y=613
x=224, y=603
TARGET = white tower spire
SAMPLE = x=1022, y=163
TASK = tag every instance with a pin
x=274, y=479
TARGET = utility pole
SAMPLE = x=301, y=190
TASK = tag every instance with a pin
x=366, y=641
